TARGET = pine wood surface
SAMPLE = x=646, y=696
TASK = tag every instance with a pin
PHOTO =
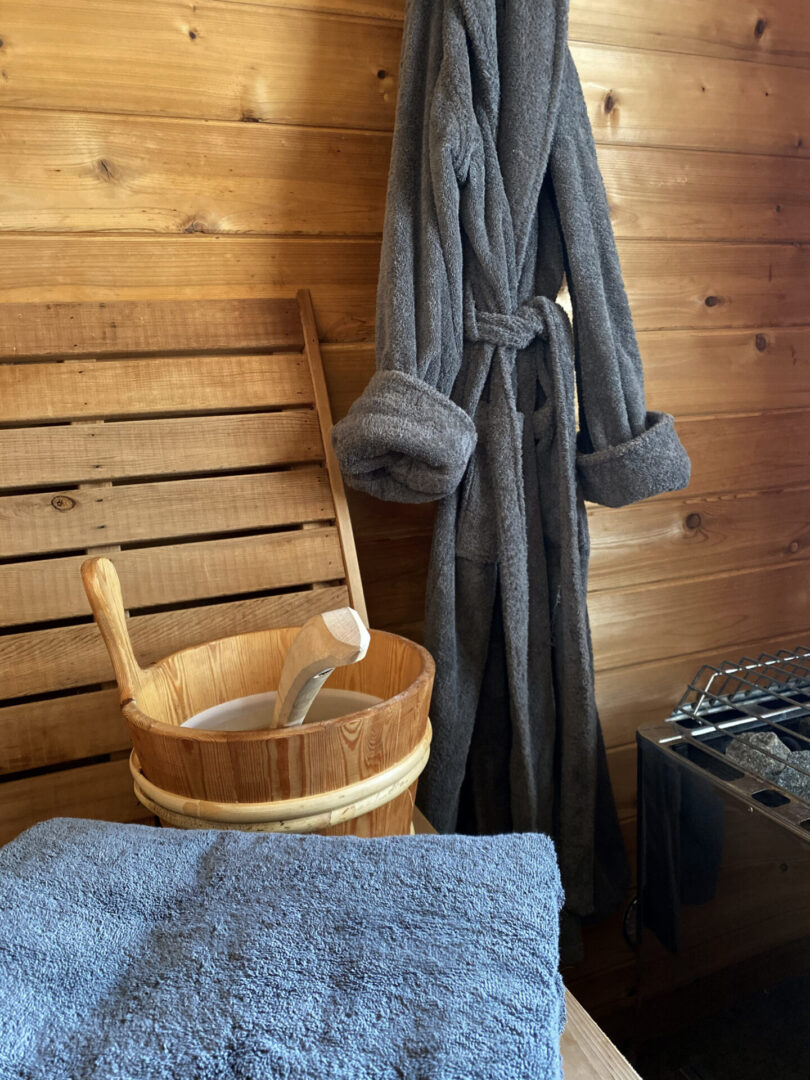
x=677, y=538
x=649, y=622
x=100, y=328
x=341, y=273
x=220, y=61
x=324, y=417
x=680, y=285
x=49, y=521
x=115, y=450
x=81, y=172
x=81, y=390
x=48, y=590
x=247, y=62
x=102, y=791
x=57, y=730
x=60, y=657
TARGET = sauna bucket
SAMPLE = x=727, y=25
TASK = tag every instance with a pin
x=354, y=774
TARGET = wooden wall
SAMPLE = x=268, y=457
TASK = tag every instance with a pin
x=221, y=149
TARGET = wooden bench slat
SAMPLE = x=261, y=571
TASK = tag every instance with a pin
x=102, y=791
x=79, y=390
x=70, y=520
x=40, y=661
x=51, y=589
x=61, y=729
x=148, y=326
x=73, y=454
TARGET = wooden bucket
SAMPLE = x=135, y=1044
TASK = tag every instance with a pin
x=355, y=774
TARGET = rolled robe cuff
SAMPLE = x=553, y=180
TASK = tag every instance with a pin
x=404, y=441
x=646, y=465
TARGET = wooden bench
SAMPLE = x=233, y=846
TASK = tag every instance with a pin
x=188, y=440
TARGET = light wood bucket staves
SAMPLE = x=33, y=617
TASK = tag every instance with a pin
x=355, y=774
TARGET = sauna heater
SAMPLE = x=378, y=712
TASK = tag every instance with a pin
x=724, y=835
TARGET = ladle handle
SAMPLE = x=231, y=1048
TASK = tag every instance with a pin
x=324, y=642
x=103, y=589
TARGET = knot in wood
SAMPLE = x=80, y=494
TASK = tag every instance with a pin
x=694, y=521
x=760, y=27
x=62, y=502
x=761, y=342
x=610, y=102
x=794, y=547
x=712, y=301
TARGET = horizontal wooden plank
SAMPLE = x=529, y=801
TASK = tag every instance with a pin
x=73, y=453
x=775, y=31
x=702, y=102
x=715, y=371
x=342, y=275
x=651, y=622
x=678, y=285
x=698, y=195
x=254, y=62
x=84, y=172
x=348, y=369
x=62, y=729
x=374, y=519
x=378, y=9
x=221, y=61
x=40, y=661
x=51, y=589
x=73, y=171
x=158, y=324
x=658, y=539
x=102, y=791
x=80, y=389
x=644, y=694
x=741, y=453
x=394, y=570
x=69, y=520
x=706, y=285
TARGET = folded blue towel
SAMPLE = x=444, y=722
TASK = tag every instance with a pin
x=132, y=953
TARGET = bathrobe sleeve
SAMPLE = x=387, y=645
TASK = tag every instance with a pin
x=404, y=439
x=625, y=452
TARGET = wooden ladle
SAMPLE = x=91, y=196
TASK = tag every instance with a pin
x=327, y=641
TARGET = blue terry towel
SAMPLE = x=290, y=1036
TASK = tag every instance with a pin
x=132, y=953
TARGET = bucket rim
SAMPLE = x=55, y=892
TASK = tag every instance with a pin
x=135, y=716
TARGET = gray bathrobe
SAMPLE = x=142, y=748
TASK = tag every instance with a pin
x=494, y=194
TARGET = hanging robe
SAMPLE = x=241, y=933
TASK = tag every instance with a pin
x=487, y=400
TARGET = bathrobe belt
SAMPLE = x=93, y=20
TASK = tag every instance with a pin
x=537, y=318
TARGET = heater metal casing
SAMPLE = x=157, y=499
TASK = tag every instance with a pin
x=724, y=847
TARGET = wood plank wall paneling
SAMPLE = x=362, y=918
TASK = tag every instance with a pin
x=242, y=149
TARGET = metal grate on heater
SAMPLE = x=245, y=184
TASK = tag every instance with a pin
x=748, y=723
